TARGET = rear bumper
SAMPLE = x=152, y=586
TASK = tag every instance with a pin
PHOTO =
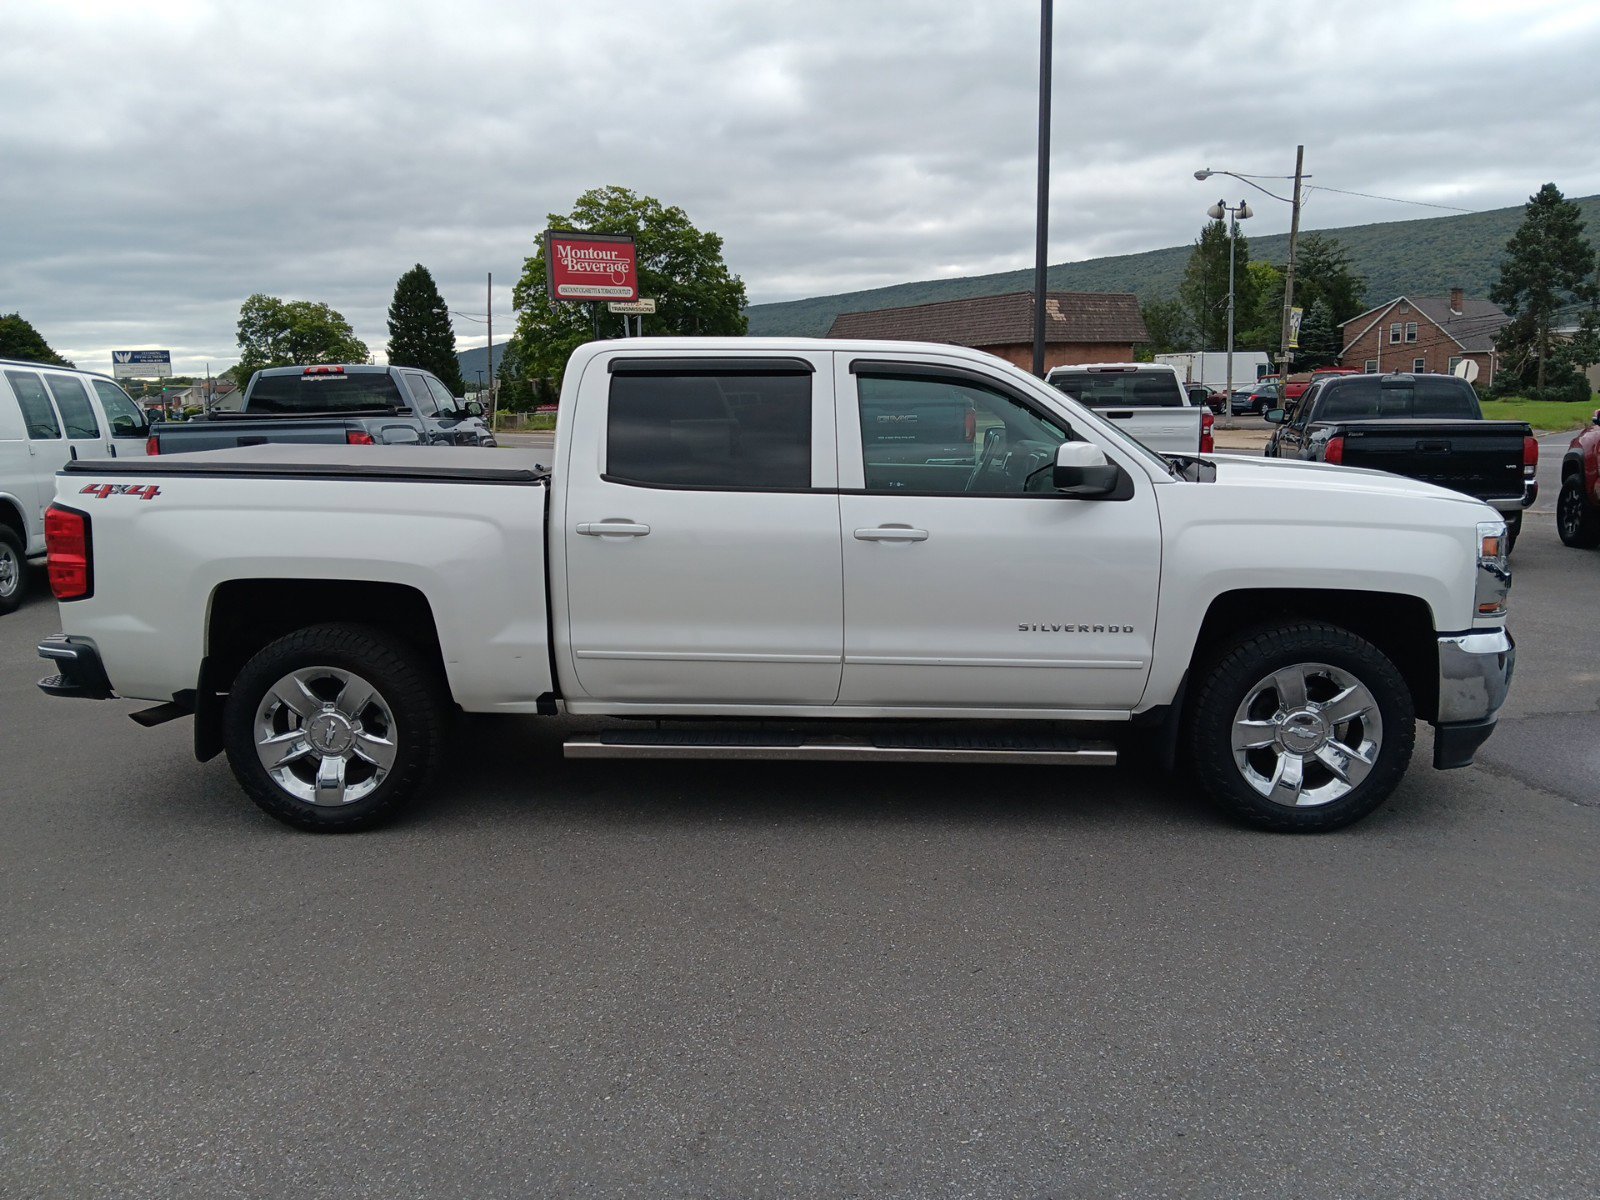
x=82, y=676
x=1474, y=677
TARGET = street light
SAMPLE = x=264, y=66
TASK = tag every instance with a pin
x=1235, y=214
x=1294, y=202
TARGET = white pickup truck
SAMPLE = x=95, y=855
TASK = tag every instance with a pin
x=798, y=550
x=1147, y=401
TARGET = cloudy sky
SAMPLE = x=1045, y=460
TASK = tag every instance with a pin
x=160, y=161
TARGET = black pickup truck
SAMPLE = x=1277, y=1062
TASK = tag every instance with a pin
x=1426, y=427
x=351, y=404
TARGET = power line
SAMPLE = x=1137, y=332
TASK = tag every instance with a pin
x=1392, y=199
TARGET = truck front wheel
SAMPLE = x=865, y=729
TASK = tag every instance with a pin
x=1302, y=728
x=334, y=728
x=1577, y=521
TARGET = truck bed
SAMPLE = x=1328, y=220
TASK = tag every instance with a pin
x=1480, y=458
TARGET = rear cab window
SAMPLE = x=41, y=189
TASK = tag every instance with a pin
x=329, y=393
x=1374, y=397
x=1121, y=388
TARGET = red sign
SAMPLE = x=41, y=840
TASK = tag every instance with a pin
x=590, y=266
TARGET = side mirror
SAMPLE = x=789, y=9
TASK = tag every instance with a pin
x=1082, y=471
x=474, y=409
x=1275, y=416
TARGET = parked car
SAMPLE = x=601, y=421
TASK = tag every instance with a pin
x=1298, y=385
x=1147, y=400
x=1200, y=394
x=1260, y=399
x=769, y=529
x=350, y=403
x=1578, y=504
x=49, y=415
x=1427, y=427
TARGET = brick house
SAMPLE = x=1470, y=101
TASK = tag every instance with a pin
x=1425, y=333
x=1079, y=327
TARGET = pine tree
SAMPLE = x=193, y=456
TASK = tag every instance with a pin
x=1204, y=289
x=1549, y=267
x=420, y=334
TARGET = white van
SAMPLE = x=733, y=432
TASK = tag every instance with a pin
x=49, y=415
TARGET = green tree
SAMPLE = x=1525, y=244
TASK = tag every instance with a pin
x=1204, y=290
x=282, y=333
x=1549, y=267
x=20, y=340
x=1260, y=326
x=1320, y=343
x=680, y=267
x=1323, y=271
x=1167, y=322
x=420, y=334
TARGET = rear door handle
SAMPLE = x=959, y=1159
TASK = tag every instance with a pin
x=1118, y=416
x=612, y=527
x=892, y=533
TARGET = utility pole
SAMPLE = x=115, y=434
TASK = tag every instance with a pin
x=1042, y=223
x=489, y=312
x=1288, y=274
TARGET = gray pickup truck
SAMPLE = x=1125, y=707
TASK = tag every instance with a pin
x=350, y=404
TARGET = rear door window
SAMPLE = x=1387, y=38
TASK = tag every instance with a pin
x=717, y=429
x=38, y=414
x=127, y=420
x=72, y=399
x=1121, y=389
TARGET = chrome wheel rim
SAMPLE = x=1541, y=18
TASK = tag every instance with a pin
x=10, y=571
x=1569, y=510
x=1307, y=735
x=325, y=736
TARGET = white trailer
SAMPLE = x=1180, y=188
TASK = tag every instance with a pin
x=1210, y=367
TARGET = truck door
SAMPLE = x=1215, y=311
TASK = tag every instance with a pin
x=968, y=581
x=699, y=531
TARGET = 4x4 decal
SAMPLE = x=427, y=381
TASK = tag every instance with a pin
x=144, y=491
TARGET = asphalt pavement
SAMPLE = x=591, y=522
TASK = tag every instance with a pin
x=581, y=979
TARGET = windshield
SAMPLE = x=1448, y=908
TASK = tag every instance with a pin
x=323, y=393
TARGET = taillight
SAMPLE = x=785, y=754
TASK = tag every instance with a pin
x=1530, y=457
x=66, y=541
x=1208, y=423
x=1334, y=453
x=970, y=430
x=358, y=437
x=152, y=444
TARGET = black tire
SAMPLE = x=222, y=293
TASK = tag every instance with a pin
x=405, y=723
x=1577, y=521
x=1314, y=652
x=1513, y=530
x=13, y=570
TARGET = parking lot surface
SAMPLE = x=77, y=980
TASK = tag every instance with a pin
x=739, y=980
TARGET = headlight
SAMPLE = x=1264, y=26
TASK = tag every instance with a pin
x=1494, y=570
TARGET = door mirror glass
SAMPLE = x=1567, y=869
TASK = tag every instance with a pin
x=1274, y=415
x=1081, y=471
x=474, y=409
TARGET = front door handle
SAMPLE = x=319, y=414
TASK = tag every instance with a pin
x=892, y=533
x=613, y=527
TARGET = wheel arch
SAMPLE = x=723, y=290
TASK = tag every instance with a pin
x=244, y=615
x=11, y=517
x=1399, y=625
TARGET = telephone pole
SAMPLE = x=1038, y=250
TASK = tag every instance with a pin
x=489, y=311
x=1288, y=273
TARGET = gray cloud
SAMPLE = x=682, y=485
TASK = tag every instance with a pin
x=163, y=161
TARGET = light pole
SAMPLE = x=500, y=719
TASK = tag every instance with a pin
x=1285, y=355
x=1235, y=214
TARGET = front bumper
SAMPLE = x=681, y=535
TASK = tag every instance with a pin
x=82, y=676
x=1474, y=677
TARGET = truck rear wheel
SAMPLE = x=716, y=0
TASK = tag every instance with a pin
x=334, y=728
x=13, y=571
x=1301, y=728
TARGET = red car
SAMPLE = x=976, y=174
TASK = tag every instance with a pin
x=1298, y=384
x=1578, y=505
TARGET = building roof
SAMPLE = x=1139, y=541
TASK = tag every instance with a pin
x=1002, y=320
x=1473, y=328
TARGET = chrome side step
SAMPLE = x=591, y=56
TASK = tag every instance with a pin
x=884, y=747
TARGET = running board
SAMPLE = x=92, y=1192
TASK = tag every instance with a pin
x=885, y=747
